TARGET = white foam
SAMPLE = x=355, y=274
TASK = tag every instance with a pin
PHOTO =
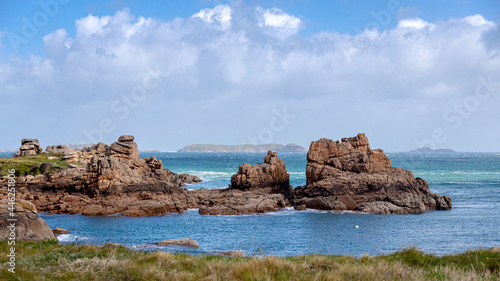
x=70, y=238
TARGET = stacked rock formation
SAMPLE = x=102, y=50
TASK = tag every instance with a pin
x=270, y=174
x=256, y=188
x=349, y=175
x=28, y=226
x=108, y=180
x=125, y=148
x=29, y=147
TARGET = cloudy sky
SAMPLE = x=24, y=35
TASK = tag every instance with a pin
x=172, y=73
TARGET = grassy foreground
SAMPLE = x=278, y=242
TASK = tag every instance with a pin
x=53, y=261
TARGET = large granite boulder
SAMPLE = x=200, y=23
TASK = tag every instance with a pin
x=29, y=147
x=28, y=225
x=57, y=149
x=349, y=175
x=270, y=174
x=124, y=148
x=258, y=188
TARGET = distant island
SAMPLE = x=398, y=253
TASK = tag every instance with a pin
x=280, y=148
x=426, y=149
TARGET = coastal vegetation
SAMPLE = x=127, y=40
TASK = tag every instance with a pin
x=30, y=165
x=53, y=261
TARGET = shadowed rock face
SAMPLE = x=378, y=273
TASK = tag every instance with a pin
x=349, y=175
x=270, y=174
x=258, y=188
x=29, y=226
x=29, y=147
x=106, y=180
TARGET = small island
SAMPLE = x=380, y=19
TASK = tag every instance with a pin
x=280, y=148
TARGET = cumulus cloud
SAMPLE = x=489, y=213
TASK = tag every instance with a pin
x=223, y=72
x=220, y=14
x=416, y=23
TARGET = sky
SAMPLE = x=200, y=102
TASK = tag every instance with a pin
x=407, y=73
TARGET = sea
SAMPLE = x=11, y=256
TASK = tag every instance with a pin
x=472, y=180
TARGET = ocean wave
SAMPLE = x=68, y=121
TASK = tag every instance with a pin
x=208, y=175
x=335, y=212
x=71, y=238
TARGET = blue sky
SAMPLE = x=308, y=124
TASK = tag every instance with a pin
x=407, y=73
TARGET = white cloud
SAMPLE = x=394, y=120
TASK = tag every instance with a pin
x=225, y=69
x=220, y=14
x=416, y=23
x=91, y=25
x=278, y=22
x=478, y=20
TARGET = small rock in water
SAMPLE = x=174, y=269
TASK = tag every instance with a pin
x=236, y=254
x=187, y=242
x=58, y=231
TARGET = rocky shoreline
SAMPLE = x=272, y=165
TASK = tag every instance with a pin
x=106, y=180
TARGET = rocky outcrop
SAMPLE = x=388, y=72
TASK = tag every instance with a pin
x=349, y=175
x=258, y=188
x=28, y=225
x=238, y=202
x=125, y=148
x=106, y=180
x=270, y=174
x=29, y=147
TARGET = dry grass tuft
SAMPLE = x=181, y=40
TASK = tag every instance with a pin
x=52, y=261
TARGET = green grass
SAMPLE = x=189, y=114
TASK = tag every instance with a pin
x=52, y=261
x=23, y=165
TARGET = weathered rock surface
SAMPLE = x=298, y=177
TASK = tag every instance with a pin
x=186, y=242
x=232, y=253
x=349, y=175
x=187, y=178
x=258, y=188
x=29, y=147
x=57, y=149
x=494, y=249
x=237, y=202
x=28, y=227
x=270, y=174
x=107, y=180
x=59, y=231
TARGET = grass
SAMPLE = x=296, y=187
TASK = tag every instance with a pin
x=52, y=261
x=23, y=165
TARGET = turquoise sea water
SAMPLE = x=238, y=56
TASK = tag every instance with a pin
x=472, y=180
